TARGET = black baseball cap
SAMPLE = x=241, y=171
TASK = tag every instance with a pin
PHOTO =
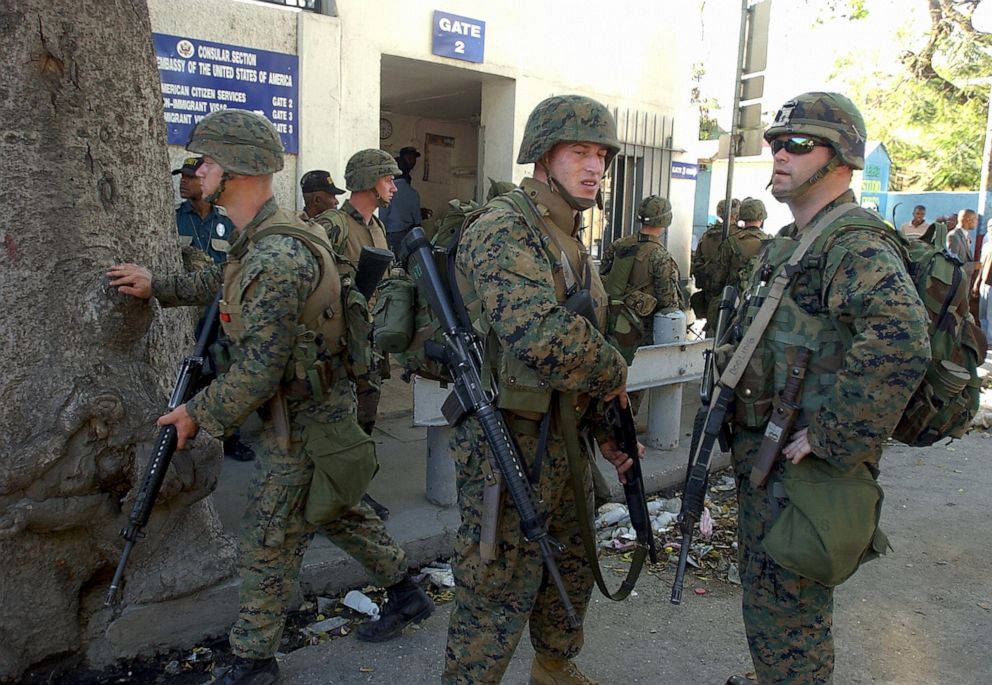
x=408, y=151
x=317, y=180
x=189, y=167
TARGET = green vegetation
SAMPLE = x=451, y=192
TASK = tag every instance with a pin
x=931, y=113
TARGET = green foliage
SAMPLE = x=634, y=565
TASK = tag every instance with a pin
x=931, y=111
x=709, y=129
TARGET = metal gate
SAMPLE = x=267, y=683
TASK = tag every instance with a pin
x=643, y=167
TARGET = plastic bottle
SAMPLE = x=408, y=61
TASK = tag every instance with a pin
x=362, y=604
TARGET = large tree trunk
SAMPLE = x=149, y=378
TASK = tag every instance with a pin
x=84, y=183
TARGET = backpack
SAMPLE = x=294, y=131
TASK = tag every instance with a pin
x=947, y=398
x=403, y=323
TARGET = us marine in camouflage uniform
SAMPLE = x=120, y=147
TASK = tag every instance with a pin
x=369, y=176
x=706, y=269
x=855, y=308
x=742, y=244
x=279, y=272
x=511, y=267
x=639, y=270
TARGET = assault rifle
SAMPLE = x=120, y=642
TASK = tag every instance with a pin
x=622, y=421
x=462, y=354
x=708, y=428
x=188, y=382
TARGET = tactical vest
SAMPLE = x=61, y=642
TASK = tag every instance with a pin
x=706, y=264
x=790, y=328
x=352, y=235
x=521, y=390
x=320, y=331
x=744, y=244
x=631, y=274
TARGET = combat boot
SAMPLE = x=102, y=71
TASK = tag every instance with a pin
x=740, y=680
x=250, y=672
x=380, y=509
x=547, y=670
x=406, y=603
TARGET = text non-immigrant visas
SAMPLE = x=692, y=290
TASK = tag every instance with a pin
x=199, y=77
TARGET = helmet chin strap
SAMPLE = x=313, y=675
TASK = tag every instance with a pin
x=579, y=204
x=380, y=201
x=786, y=195
x=215, y=196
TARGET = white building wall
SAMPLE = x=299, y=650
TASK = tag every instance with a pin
x=627, y=54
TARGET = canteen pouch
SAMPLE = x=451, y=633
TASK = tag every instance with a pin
x=344, y=464
x=754, y=392
x=830, y=525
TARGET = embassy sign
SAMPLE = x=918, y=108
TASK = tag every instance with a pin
x=199, y=77
x=459, y=37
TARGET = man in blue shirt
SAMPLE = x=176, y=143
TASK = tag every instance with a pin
x=403, y=211
x=200, y=224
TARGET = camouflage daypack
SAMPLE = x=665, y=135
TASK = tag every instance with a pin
x=947, y=398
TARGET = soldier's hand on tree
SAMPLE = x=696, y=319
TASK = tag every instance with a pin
x=131, y=279
x=186, y=427
x=798, y=446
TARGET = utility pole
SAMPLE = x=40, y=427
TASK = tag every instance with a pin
x=752, y=57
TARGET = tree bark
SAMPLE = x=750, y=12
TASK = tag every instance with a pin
x=84, y=183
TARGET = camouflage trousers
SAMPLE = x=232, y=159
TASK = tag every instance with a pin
x=788, y=618
x=496, y=599
x=275, y=536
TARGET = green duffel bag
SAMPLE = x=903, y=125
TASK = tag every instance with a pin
x=830, y=526
x=344, y=464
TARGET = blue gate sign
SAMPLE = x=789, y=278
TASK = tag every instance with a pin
x=458, y=37
x=199, y=77
x=685, y=170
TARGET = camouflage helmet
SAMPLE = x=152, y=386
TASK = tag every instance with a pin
x=366, y=167
x=829, y=116
x=564, y=118
x=241, y=142
x=752, y=209
x=655, y=210
x=735, y=207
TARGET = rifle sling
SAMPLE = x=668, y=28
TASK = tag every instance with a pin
x=576, y=467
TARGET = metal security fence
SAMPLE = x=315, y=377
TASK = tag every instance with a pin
x=643, y=167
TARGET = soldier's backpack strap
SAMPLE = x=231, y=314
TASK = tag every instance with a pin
x=525, y=206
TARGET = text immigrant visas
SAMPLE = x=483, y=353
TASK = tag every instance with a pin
x=199, y=77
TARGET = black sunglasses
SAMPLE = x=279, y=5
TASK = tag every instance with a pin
x=797, y=145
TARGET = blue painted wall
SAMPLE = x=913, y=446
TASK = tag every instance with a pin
x=700, y=210
x=937, y=204
x=875, y=179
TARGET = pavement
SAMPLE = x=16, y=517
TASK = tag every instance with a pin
x=424, y=529
x=919, y=616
